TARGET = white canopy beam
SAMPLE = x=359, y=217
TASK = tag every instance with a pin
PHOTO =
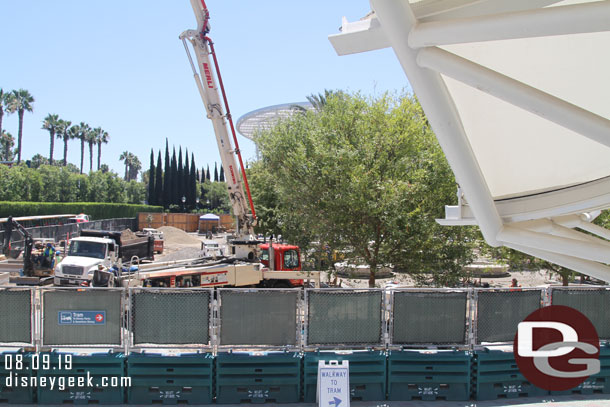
x=561, y=20
x=589, y=268
x=594, y=251
x=396, y=21
x=557, y=110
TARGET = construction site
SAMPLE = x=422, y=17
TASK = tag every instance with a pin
x=200, y=309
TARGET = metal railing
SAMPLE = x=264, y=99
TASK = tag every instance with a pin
x=137, y=318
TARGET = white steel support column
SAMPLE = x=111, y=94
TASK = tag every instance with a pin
x=572, y=19
x=594, y=251
x=397, y=19
x=589, y=268
x=557, y=110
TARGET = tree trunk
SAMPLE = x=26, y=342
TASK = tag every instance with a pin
x=565, y=280
x=90, y=157
x=52, y=147
x=65, y=151
x=1, y=116
x=99, y=155
x=126, y=172
x=82, y=154
x=19, y=135
x=373, y=267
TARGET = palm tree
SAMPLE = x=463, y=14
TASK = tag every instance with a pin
x=2, y=104
x=65, y=132
x=51, y=124
x=6, y=144
x=84, y=130
x=102, y=138
x=126, y=158
x=91, y=139
x=134, y=167
x=20, y=102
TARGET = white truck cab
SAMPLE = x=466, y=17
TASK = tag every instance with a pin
x=82, y=259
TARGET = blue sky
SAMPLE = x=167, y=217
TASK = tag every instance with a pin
x=119, y=65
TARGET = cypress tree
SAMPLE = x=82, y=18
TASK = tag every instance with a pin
x=193, y=184
x=208, y=175
x=152, y=199
x=186, y=181
x=159, y=181
x=215, y=172
x=175, y=199
x=221, y=178
x=180, y=176
x=167, y=179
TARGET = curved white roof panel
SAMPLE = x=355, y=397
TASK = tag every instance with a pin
x=517, y=93
x=266, y=117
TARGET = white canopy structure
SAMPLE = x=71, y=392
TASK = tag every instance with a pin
x=518, y=95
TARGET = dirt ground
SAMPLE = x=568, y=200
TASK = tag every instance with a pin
x=181, y=245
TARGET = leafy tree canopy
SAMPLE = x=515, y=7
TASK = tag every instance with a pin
x=364, y=173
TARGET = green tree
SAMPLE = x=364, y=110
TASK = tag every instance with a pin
x=65, y=132
x=3, y=100
x=221, y=177
x=193, y=183
x=180, y=179
x=215, y=172
x=174, y=198
x=7, y=142
x=207, y=174
x=91, y=139
x=51, y=123
x=152, y=198
x=217, y=194
x=159, y=182
x=82, y=133
x=126, y=158
x=365, y=173
x=134, y=167
x=36, y=161
x=167, y=179
x=136, y=192
x=20, y=101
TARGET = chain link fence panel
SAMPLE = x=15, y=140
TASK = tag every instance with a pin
x=428, y=317
x=170, y=317
x=593, y=303
x=500, y=311
x=16, y=315
x=82, y=316
x=266, y=317
x=344, y=317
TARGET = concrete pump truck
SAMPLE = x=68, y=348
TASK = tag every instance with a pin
x=250, y=262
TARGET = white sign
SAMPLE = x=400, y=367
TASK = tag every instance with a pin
x=333, y=383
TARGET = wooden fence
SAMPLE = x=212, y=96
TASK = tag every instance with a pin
x=189, y=222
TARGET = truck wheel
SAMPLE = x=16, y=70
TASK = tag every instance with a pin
x=282, y=284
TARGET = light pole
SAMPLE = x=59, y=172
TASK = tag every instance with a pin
x=197, y=203
x=183, y=204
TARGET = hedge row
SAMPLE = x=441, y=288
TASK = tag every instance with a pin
x=93, y=209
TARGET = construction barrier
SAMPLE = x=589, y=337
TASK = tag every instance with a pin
x=105, y=370
x=428, y=317
x=265, y=317
x=367, y=373
x=496, y=375
x=595, y=384
x=72, y=316
x=160, y=379
x=592, y=302
x=273, y=377
x=345, y=317
x=442, y=375
x=500, y=311
x=16, y=315
x=164, y=316
x=15, y=367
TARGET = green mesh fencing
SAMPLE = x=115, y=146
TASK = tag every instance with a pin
x=263, y=317
x=82, y=317
x=429, y=317
x=170, y=316
x=594, y=304
x=344, y=317
x=15, y=315
x=499, y=313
